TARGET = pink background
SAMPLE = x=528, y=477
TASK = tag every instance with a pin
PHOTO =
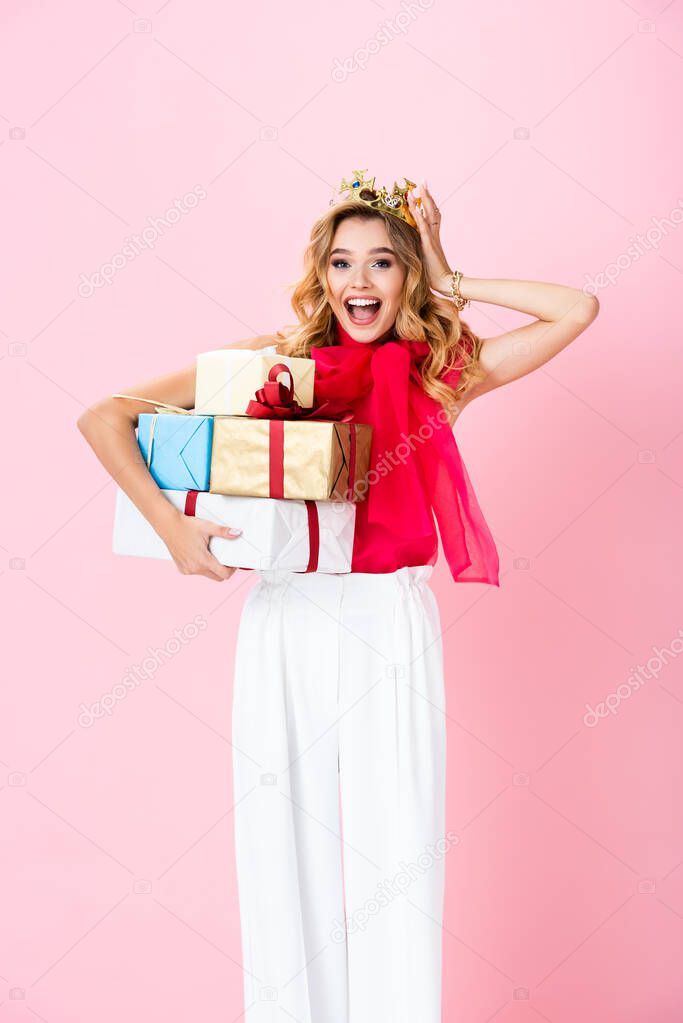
x=550, y=137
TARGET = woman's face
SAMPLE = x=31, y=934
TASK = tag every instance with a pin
x=363, y=265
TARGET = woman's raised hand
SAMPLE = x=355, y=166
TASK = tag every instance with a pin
x=428, y=218
x=188, y=542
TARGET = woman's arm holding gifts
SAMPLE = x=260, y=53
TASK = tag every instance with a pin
x=109, y=428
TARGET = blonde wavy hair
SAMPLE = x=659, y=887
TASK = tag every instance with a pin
x=422, y=315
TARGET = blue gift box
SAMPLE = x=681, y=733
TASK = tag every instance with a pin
x=180, y=449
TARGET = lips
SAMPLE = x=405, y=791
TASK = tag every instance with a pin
x=363, y=315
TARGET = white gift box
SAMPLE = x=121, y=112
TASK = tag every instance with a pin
x=227, y=380
x=275, y=531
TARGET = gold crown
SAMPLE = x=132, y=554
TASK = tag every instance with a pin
x=363, y=190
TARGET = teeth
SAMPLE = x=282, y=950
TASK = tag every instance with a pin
x=363, y=301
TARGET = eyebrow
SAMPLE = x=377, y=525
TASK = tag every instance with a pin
x=349, y=252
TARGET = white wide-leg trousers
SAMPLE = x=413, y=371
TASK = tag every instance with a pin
x=339, y=750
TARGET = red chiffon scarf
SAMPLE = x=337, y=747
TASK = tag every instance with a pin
x=415, y=465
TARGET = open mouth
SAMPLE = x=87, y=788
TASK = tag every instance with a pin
x=363, y=311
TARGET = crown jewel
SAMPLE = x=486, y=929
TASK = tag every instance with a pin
x=363, y=190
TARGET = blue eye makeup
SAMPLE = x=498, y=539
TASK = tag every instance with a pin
x=386, y=263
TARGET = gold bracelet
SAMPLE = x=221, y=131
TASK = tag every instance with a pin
x=458, y=301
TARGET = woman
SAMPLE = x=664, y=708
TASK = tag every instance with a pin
x=338, y=710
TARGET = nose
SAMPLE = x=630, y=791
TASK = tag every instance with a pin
x=360, y=279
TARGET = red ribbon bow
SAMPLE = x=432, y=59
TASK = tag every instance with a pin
x=276, y=400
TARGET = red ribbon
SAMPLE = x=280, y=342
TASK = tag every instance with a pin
x=191, y=502
x=313, y=528
x=313, y=536
x=276, y=400
x=276, y=458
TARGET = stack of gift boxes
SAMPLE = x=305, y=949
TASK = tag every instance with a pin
x=255, y=454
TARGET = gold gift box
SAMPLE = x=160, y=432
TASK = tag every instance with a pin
x=299, y=460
